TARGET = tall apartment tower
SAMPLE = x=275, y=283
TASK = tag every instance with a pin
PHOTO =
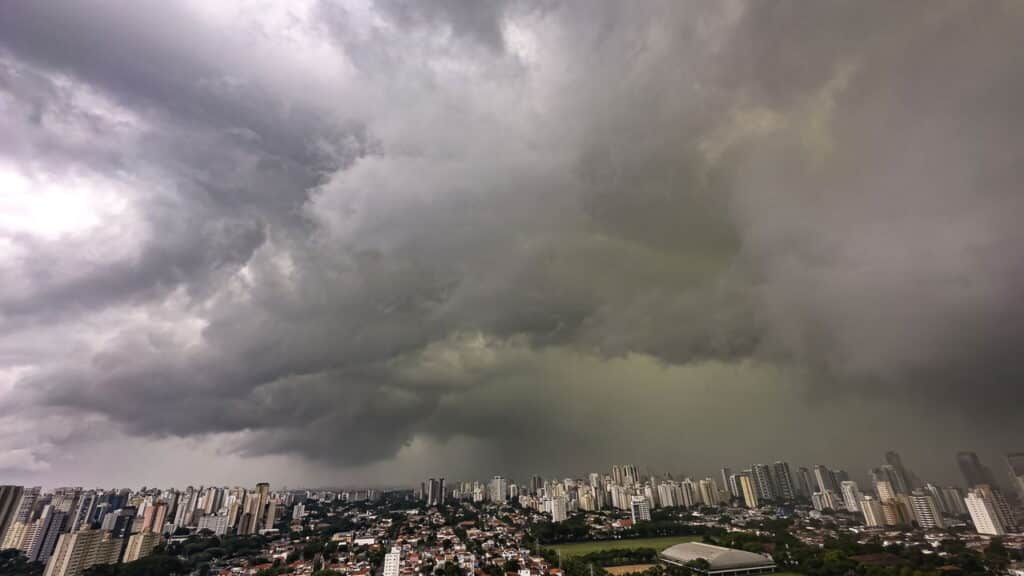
x=805, y=484
x=1015, y=461
x=782, y=478
x=975, y=473
x=499, y=489
x=749, y=490
x=726, y=474
x=393, y=562
x=851, y=495
x=983, y=513
x=44, y=539
x=141, y=545
x=763, y=481
x=825, y=479
x=874, y=514
x=1003, y=511
x=77, y=551
x=10, y=499
x=27, y=507
x=640, y=509
x=926, y=510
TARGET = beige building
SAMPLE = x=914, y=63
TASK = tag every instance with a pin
x=141, y=545
x=16, y=536
x=77, y=551
x=874, y=514
x=749, y=491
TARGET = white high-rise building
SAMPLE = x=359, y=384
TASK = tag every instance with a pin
x=688, y=490
x=926, y=510
x=851, y=495
x=393, y=562
x=983, y=513
x=499, y=489
x=218, y=524
x=885, y=490
x=874, y=514
x=665, y=495
x=556, y=506
x=709, y=492
x=640, y=508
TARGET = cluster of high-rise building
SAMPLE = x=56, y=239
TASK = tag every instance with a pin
x=71, y=529
x=896, y=496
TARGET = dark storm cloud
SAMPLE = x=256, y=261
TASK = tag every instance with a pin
x=561, y=233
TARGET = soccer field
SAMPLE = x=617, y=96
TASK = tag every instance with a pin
x=581, y=548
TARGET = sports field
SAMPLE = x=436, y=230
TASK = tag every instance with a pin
x=581, y=548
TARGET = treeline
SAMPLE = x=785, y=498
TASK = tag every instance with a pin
x=576, y=530
x=661, y=528
x=621, y=557
x=846, y=556
x=572, y=530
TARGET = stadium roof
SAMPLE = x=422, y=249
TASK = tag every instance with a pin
x=719, y=558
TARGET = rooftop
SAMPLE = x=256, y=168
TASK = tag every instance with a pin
x=718, y=557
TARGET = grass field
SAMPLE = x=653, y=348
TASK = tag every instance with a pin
x=581, y=548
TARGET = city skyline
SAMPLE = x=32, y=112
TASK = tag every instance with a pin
x=363, y=242
x=68, y=530
x=1004, y=476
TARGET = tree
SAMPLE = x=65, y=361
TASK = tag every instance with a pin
x=996, y=556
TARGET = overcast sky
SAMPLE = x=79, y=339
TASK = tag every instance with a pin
x=319, y=242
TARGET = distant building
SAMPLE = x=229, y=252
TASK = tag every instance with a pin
x=983, y=513
x=827, y=500
x=44, y=536
x=728, y=484
x=1003, y=511
x=975, y=473
x=824, y=479
x=10, y=499
x=15, y=538
x=141, y=545
x=218, y=524
x=393, y=562
x=885, y=490
x=1015, y=461
x=435, y=492
x=77, y=551
x=763, y=482
x=154, y=518
x=640, y=508
x=783, y=480
x=749, y=491
x=926, y=510
x=804, y=484
x=556, y=506
x=499, y=489
x=874, y=515
x=851, y=495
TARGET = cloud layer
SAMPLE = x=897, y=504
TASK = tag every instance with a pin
x=383, y=240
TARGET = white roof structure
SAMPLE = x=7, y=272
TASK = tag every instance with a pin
x=721, y=560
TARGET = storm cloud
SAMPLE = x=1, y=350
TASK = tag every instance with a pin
x=385, y=240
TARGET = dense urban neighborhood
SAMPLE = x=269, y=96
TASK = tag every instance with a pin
x=765, y=519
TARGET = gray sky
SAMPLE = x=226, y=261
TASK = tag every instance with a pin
x=319, y=242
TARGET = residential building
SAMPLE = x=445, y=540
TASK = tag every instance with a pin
x=77, y=551
x=141, y=545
